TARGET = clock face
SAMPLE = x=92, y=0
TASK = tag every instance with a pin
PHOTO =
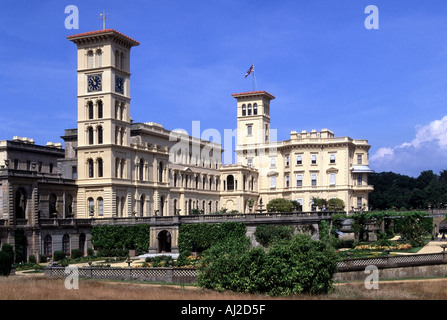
x=94, y=83
x=119, y=84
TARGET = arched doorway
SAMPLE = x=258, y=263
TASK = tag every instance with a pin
x=164, y=241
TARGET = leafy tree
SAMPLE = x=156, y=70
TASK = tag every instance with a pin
x=266, y=234
x=295, y=266
x=6, y=259
x=336, y=204
x=319, y=202
x=280, y=205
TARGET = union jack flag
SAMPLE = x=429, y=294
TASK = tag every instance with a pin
x=252, y=68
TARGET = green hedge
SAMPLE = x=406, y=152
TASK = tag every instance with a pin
x=204, y=235
x=117, y=240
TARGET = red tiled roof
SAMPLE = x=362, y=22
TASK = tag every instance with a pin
x=253, y=93
x=98, y=32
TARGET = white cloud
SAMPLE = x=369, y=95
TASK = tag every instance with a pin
x=427, y=151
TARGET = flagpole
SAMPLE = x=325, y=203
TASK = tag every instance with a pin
x=253, y=77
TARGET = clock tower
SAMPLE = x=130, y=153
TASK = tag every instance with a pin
x=103, y=119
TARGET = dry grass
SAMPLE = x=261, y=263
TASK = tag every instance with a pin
x=41, y=288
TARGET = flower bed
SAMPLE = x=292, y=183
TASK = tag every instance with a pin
x=400, y=246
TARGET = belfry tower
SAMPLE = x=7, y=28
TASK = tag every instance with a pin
x=103, y=121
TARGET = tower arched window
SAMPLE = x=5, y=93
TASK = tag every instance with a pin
x=100, y=164
x=117, y=168
x=90, y=109
x=100, y=109
x=91, y=170
x=99, y=58
x=122, y=111
x=90, y=135
x=122, y=60
x=117, y=59
x=100, y=134
x=244, y=110
x=90, y=59
x=249, y=109
x=255, y=109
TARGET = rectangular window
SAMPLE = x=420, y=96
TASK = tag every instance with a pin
x=299, y=180
x=250, y=130
x=314, y=159
x=287, y=181
x=359, y=158
x=51, y=168
x=299, y=159
x=74, y=172
x=287, y=161
x=16, y=164
x=272, y=182
x=359, y=202
x=332, y=179
x=250, y=162
x=272, y=162
x=359, y=179
x=332, y=158
x=313, y=178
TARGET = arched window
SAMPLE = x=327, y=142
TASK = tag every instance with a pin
x=66, y=244
x=122, y=203
x=100, y=134
x=91, y=170
x=123, y=163
x=160, y=172
x=122, y=111
x=90, y=109
x=90, y=135
x=117, y=167
x=117, y=106
x=249, y=109
x=122, y=60
x=162, y=205
x=142, y=201
x=255, y=109
x=230, y=182
x=90, y=59
x=82, y=243
x=117, y=206
x=99, y=58
x=100, y=167
x=141, y=169
x=68, y=205
x=244, y=110
x=100, y=109
x=52, y=204
x=48, y=246
x=91, y=206
x=117, y=59
x=100, y=206
x=121, y=132
x=20, y=204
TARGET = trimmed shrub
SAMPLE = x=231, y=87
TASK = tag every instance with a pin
x=59, y=255
x=76, y=253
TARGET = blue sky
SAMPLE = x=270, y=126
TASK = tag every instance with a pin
x=324, y=67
